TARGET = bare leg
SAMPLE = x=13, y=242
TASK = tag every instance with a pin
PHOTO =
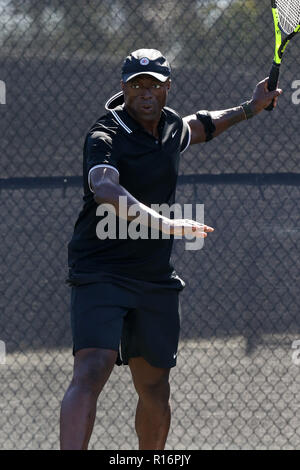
x=92, y=368
x=153, y=414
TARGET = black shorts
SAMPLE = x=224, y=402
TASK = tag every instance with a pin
x=134, y=318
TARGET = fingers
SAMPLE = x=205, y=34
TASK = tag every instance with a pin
x=273, y=96
x=196, y=228
x=195, y=225
x=264, y=83
x=183, y=227
x=262, y=97
x=208, y=229
x=194, y=231
x=204, y=228
x=273, y=93
x=276, y=93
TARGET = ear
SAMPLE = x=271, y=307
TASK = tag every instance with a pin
x=122, y=85
x=168, y=84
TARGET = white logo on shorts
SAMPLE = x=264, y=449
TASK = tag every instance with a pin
x=144, y=61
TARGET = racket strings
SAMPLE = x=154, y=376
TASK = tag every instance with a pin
x=289, y=14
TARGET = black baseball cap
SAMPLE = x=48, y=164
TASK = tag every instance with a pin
x=146, y=61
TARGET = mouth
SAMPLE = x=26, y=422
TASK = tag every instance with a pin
x=146, y=107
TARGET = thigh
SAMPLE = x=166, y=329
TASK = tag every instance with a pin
x=151, y=331
x=96, y=317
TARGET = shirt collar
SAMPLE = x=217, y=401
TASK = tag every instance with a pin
x=116, y=106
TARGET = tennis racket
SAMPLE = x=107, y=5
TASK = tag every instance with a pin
x=286, y=14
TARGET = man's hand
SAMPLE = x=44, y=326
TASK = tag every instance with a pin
x=262, y=97
x=185, y=227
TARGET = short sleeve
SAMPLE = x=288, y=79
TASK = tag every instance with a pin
x=99, y=152
x=185, y=136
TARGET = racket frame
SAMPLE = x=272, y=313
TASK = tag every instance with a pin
x=280, y=47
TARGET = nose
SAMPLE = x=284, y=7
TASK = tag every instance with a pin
x=146, y=93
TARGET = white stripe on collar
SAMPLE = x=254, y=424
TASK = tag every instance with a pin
x=114, y=113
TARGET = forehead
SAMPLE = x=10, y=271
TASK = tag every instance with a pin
x=144, y=78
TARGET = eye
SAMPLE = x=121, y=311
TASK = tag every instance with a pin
x=135, y=86
x=156, y=85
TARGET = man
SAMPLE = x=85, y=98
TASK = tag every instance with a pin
x=124, y=290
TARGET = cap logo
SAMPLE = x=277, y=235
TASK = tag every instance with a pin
x=144, y=61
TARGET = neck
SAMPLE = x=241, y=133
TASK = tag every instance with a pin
x=150, y=126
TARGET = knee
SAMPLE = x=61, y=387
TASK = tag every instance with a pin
x=156, y=392
x=92, y=371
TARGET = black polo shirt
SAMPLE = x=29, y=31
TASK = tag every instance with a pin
x=148, y=169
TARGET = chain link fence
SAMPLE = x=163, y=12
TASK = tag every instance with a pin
x=236, y=385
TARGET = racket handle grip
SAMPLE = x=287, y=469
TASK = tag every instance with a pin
x=272, y=83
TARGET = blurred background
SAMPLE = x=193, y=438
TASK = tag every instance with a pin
x=236, y=384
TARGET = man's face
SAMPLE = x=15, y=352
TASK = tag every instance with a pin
x=145, y=96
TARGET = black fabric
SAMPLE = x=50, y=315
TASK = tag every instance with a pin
x=148, y=169
x=146, y=61
x=134, y=318
x=209, y=127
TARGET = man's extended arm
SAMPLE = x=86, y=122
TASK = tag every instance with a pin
x=104, y=183
x=224, y=119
